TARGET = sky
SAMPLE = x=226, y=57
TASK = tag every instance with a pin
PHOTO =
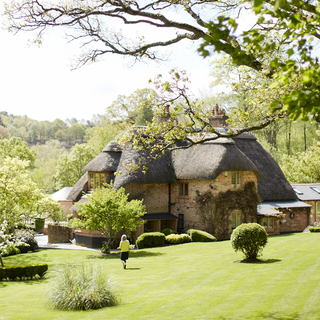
x=38, y=81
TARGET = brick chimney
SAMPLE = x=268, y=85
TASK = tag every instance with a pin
x=166, y=114
x=218, y=118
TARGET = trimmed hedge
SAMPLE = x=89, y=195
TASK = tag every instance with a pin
x=200, y=236
x=168, y=231
x=150, y=240
x=178, y=238
x=24, y=272
x=314, y=229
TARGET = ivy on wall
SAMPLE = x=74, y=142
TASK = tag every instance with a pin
x=215, y=210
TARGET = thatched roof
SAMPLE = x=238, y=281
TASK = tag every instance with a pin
x=105, y=161
x=273, y=184
x=112, y=146
x=208, y=160
x=159, y=170
x=80, y=187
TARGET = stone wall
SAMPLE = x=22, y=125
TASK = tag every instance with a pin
x=59, y=234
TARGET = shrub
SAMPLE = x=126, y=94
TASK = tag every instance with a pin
x=168, y=231
x=250, y=238
x=314, y=229
x=178, y=238
x=105, y=247
x=82, y=288
x=150, y=240
x=200, y=236
x=10, y=250
x=23, y=272
x=27, y=237
x=38, y=224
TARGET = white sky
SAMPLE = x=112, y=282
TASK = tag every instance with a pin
x=38, y=82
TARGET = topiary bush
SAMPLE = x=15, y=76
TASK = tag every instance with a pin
x=168, y=231
x=200, y=236
x=38, y=224
x=314, y=229
x=250, y=238
x=178, y=238
x=27, y=237
x=82, y=288
x=150, y=240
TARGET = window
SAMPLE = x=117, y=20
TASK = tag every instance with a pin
x=96, y=180
x=268, y=223
x=183, y=189
x=236, y=219
x=235, y=180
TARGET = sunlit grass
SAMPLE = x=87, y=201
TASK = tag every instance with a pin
x=188, y=281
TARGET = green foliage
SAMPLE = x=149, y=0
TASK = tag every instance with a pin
x=168, y=231
x=109, y=211
x=105, y=247
x=69, y=168
x=23, y=272
x=10, y=250
x=82, y=288
x=177, y=238
x=314, y=229
x=200, y=236
x=250, y=238
x=27, y=237
x=16, y=148
x=39, y=224
x=19, y=196
x=150, y=240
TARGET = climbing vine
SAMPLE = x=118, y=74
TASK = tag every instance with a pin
x=215, y=210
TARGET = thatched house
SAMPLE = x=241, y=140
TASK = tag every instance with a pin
x=171, y=184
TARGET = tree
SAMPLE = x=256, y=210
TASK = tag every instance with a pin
x=134, y=109
x=16, y=148
x=218, y=27
x=20, y=198
x=69, y=168
x=110, y=212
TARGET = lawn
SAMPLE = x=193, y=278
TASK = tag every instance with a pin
x=188, y=281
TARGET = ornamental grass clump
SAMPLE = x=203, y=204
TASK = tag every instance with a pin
x=82, y=288
x=250, y=238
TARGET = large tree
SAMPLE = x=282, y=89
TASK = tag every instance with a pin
x=216, y=23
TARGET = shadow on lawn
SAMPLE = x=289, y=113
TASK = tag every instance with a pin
x=267, y=261
x=133, y=254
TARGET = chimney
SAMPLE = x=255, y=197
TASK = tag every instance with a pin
x=166, y=114
x=218, y=118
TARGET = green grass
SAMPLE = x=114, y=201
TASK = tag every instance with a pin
x=188, y=281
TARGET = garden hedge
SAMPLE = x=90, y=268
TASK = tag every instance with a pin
x=314, y=229
x=150, y=240
x=23, y=272
x=168, y=231
x=200, y=236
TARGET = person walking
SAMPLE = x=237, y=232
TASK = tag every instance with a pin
x=124, y=247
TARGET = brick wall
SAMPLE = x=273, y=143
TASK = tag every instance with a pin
x=59, y=234
x=296, y=220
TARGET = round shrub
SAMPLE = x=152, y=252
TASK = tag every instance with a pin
x=168, y=231
x=200, y=236
x=82, y=288
x=150, y=240
x=27, y=237
x=178, y=238
x=250, y=238
x=10, y=251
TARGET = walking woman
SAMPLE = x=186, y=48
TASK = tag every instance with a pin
x=124, y=247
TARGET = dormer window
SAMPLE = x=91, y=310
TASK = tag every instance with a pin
x=96, y=180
